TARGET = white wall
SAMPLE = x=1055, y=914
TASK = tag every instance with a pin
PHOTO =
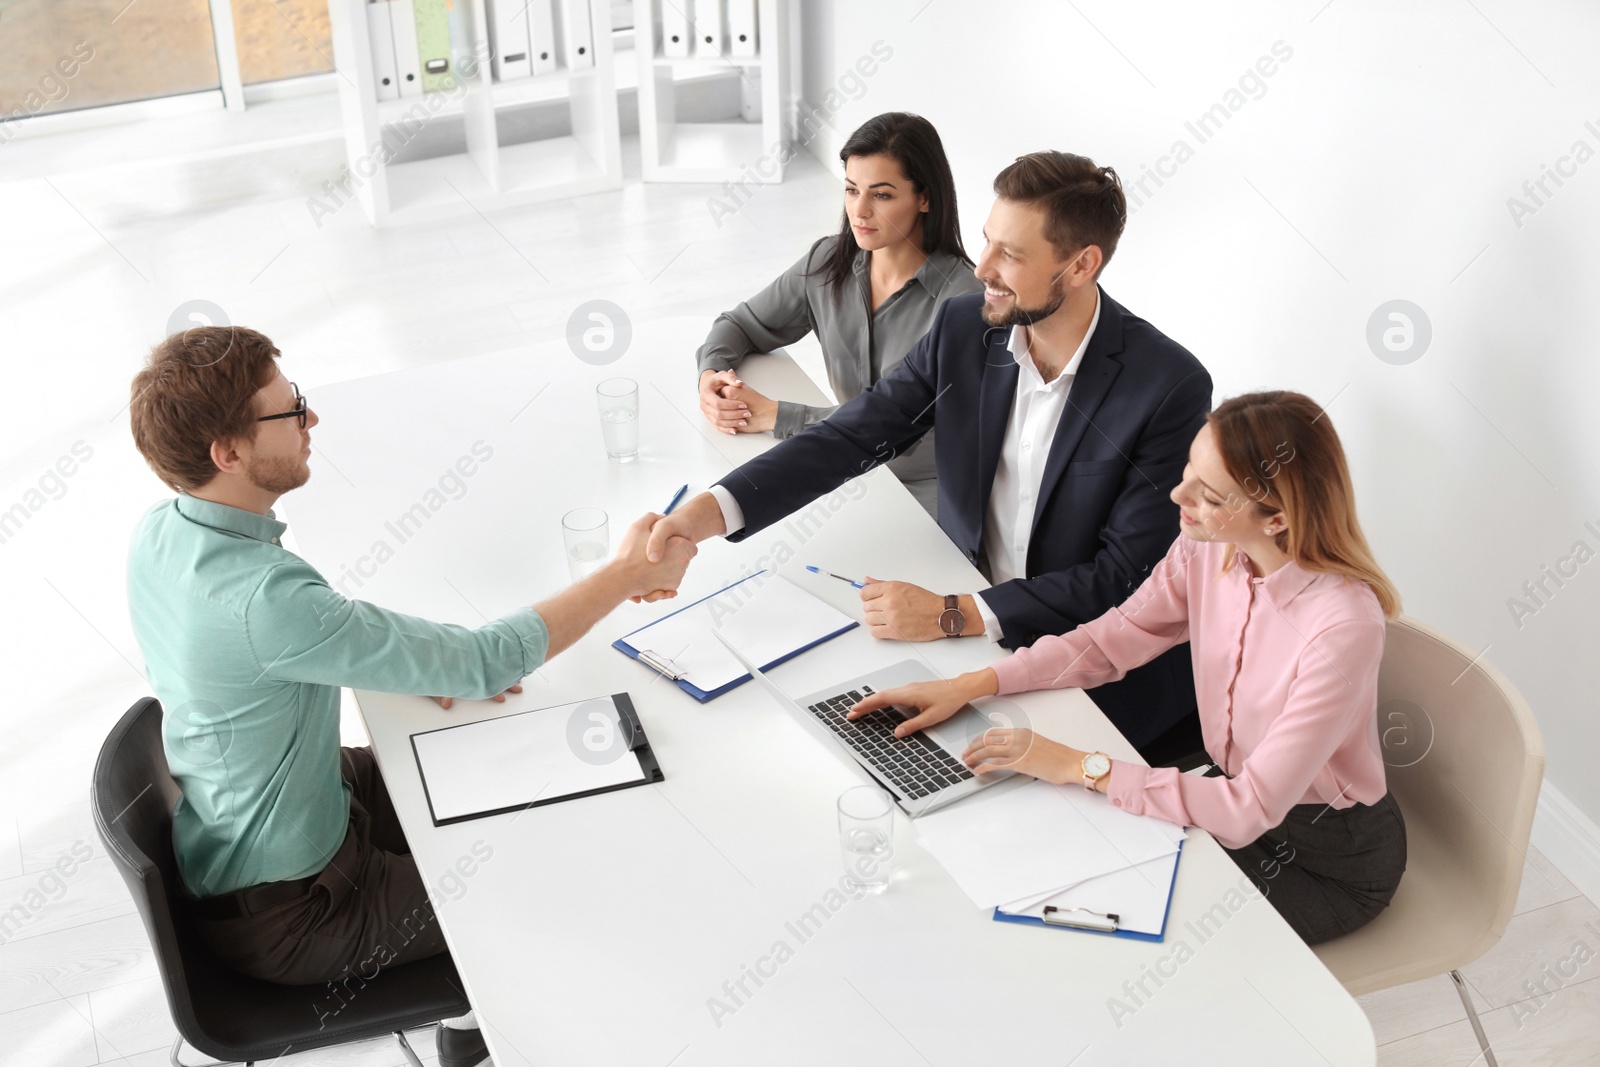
x=1375, y=163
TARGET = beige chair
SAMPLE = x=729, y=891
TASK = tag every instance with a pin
x=1464, y=760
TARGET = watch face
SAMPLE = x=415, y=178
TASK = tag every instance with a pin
x=951, y=621
x=1096, y=764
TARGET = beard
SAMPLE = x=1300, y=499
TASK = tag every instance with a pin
x=278, y=474
x=1021, y=316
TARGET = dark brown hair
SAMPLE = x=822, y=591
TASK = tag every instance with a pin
x=911, y=141
x=1082, y=202
x=1280, y=447
x=197, y=387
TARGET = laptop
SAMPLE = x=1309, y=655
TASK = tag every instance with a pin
x=923, y=771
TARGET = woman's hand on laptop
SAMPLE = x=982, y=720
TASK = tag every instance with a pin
x=1020, y=749
x=934, y=702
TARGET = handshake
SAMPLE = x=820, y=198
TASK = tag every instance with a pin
x=656, y=549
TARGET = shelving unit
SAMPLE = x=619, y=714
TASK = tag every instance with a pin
x=735, y=148
x=492, y=173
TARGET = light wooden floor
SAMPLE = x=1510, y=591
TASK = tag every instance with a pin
x=97, y=261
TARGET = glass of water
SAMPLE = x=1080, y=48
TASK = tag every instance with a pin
x=866, y=836
x=619, y=417
x=587, y=534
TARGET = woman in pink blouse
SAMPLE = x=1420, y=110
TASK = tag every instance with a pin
x=1273, y=585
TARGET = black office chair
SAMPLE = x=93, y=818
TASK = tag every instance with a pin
x=222, y=1013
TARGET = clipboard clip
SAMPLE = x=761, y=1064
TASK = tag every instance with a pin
x=661, y=665
x=1081, y=918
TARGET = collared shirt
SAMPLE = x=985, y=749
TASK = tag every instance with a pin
x=246, y=646
x=1286, y=677
x=860, y=344
x=1036, y=410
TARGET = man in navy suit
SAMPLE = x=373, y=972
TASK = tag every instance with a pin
x=1064, y=423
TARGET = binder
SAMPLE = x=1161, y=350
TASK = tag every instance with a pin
x=742, y=28
x=576, y=37
x=639, y=646
x=408, y=67
x=381, y=37
x=676, y=33
x=708, y=39
x=541, y=36
x=433, y=45
x=1088, y=921
x=750, y=93
x=530, y=759
x=508, y=25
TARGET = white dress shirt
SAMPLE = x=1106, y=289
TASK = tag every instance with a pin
x=1008, y=525
x=1036, y=411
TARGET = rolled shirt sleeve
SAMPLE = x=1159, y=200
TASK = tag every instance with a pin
x=301, y=630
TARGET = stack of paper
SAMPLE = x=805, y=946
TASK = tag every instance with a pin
x=1022, y=848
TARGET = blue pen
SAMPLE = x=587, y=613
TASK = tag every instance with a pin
x=830, y=574
x=675, y=498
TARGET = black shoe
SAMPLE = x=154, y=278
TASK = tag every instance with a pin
x=461, y=1048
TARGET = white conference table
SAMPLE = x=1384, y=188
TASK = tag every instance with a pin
x=617, y=929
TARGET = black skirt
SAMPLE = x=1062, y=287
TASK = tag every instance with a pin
x=1329, y=871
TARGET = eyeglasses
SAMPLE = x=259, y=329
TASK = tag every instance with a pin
x=299, y=411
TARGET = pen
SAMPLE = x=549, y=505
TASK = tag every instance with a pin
x=830, y=574
x=675, y=498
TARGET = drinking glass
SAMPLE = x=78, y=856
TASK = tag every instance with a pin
x=866, y=836
x=587, y=535
x=619, y=417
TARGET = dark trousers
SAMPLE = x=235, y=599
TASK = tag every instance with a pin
x=367, y=910
x=1329, y=871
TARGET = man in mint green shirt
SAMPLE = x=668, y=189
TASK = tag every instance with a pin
x=288, y=844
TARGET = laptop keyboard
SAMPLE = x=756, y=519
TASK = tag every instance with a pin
x=916, y=765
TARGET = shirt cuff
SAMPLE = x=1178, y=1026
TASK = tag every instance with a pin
x=710, y=359
x=790, y=421
x=1125, y=786
x=1012, y=674
x=732, y=513
x=991, y=621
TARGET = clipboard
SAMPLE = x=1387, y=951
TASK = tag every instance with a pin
x=662, y=663
x=1067, y=922
x=461, y=744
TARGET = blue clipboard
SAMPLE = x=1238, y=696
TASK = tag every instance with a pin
x=664, y=667
x=1001, y=917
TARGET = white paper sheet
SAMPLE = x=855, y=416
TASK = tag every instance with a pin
x=1173, y=831
x=1137, y=896
x=1012, y=844
x=517, y=759
x=766, y=618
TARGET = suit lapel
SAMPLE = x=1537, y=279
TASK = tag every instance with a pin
x=1095, y=376
x=997, y=391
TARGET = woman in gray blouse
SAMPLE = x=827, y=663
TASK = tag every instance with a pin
x=868, y=292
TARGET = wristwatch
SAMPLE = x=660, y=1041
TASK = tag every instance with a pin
x=1095, y=766
x=952, y=620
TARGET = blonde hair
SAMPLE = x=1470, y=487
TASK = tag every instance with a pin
x=1281, y=448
